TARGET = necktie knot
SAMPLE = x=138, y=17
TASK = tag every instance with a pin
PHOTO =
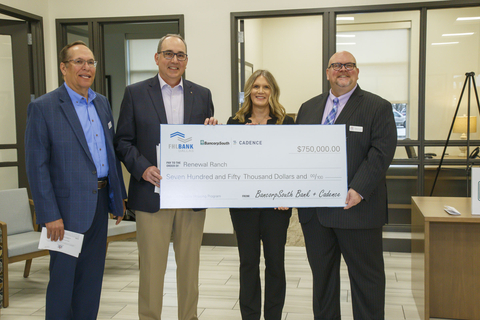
x=333, y=113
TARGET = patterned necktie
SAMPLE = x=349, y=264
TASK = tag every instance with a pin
x=333, y=113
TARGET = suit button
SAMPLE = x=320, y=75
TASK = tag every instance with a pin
x=94, y=172
x=94, y=191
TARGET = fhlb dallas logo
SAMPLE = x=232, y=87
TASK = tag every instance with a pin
x=181, y=137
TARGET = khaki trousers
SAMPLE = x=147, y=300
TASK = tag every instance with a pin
x=153, y=240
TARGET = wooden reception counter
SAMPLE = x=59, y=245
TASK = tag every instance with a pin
x=445, y=258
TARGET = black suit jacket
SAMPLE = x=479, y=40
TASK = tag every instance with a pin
x=138, y=132
x=371, y=142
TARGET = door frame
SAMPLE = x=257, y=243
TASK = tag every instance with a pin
x=96, y=39
x=36, y=62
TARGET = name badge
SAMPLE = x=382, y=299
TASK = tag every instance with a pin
x=356, y=129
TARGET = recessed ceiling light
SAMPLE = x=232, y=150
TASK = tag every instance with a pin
x=346, y=35
x=457, y=34
x=346, y=43
x=468, y=18
x=346, y=18
x=443, y=43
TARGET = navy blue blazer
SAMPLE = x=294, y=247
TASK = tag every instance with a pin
x=60, y=168
x=138, y=132
x=371, y=143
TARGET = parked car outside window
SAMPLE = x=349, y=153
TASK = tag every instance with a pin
x=400, y=119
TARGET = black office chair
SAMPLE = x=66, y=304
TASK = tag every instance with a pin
x=411, y=154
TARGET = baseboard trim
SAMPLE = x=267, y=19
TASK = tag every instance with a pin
x=397, y=245
x=229, y=240
x=219, y=239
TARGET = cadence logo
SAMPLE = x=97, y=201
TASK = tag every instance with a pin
x=183, y=145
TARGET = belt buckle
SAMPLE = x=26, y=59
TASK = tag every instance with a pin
x=102, y=184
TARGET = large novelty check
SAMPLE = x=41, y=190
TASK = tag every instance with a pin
x=242, y=166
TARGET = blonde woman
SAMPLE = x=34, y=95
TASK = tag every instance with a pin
x=266, y=225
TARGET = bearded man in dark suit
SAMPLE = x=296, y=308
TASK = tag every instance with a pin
x=354, y=231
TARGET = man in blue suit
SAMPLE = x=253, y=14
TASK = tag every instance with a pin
x=165, y=98
x=75, y=180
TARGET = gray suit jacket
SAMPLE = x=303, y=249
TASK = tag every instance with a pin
x=138, y=132
x=61, y=172
x=371, y=142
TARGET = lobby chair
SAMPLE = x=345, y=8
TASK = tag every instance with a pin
x=19, y=234
x=127, y=228
x=411, y=154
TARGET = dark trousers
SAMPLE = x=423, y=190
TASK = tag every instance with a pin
x=75, y=284
x=363, y=254
x=269, y=226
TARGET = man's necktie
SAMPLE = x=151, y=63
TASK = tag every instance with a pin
x=333, y=113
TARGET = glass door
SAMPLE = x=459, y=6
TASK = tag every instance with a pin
x=128, y=55
x=15, y=89
x=279, y=45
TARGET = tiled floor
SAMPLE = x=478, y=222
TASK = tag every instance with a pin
x=218, y=286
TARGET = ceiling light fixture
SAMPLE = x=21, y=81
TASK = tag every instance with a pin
x=442, y=43
x=468, y=18
x=457, y=34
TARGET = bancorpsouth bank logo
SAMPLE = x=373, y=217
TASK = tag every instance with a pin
x=214, y=143
x=184, y=145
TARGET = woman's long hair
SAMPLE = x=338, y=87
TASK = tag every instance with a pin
x=276, y=109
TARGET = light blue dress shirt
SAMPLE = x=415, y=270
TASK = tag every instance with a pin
x=92, y=128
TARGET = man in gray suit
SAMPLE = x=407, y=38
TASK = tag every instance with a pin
x=354, y=231
x=165, y=98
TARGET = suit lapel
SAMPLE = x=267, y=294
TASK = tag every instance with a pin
x=187, y=101
x=351, y=106
x=101, y=114
x=155, y=93
x=105, y=119
x=322, y=102
x=72, y=117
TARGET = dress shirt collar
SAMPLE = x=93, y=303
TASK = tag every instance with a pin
x=75, y=97
x=163, y=83
x=342, y=100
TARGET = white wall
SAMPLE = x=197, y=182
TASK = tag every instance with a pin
x=254, y=43
x=207, y=32
x=294, y=56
